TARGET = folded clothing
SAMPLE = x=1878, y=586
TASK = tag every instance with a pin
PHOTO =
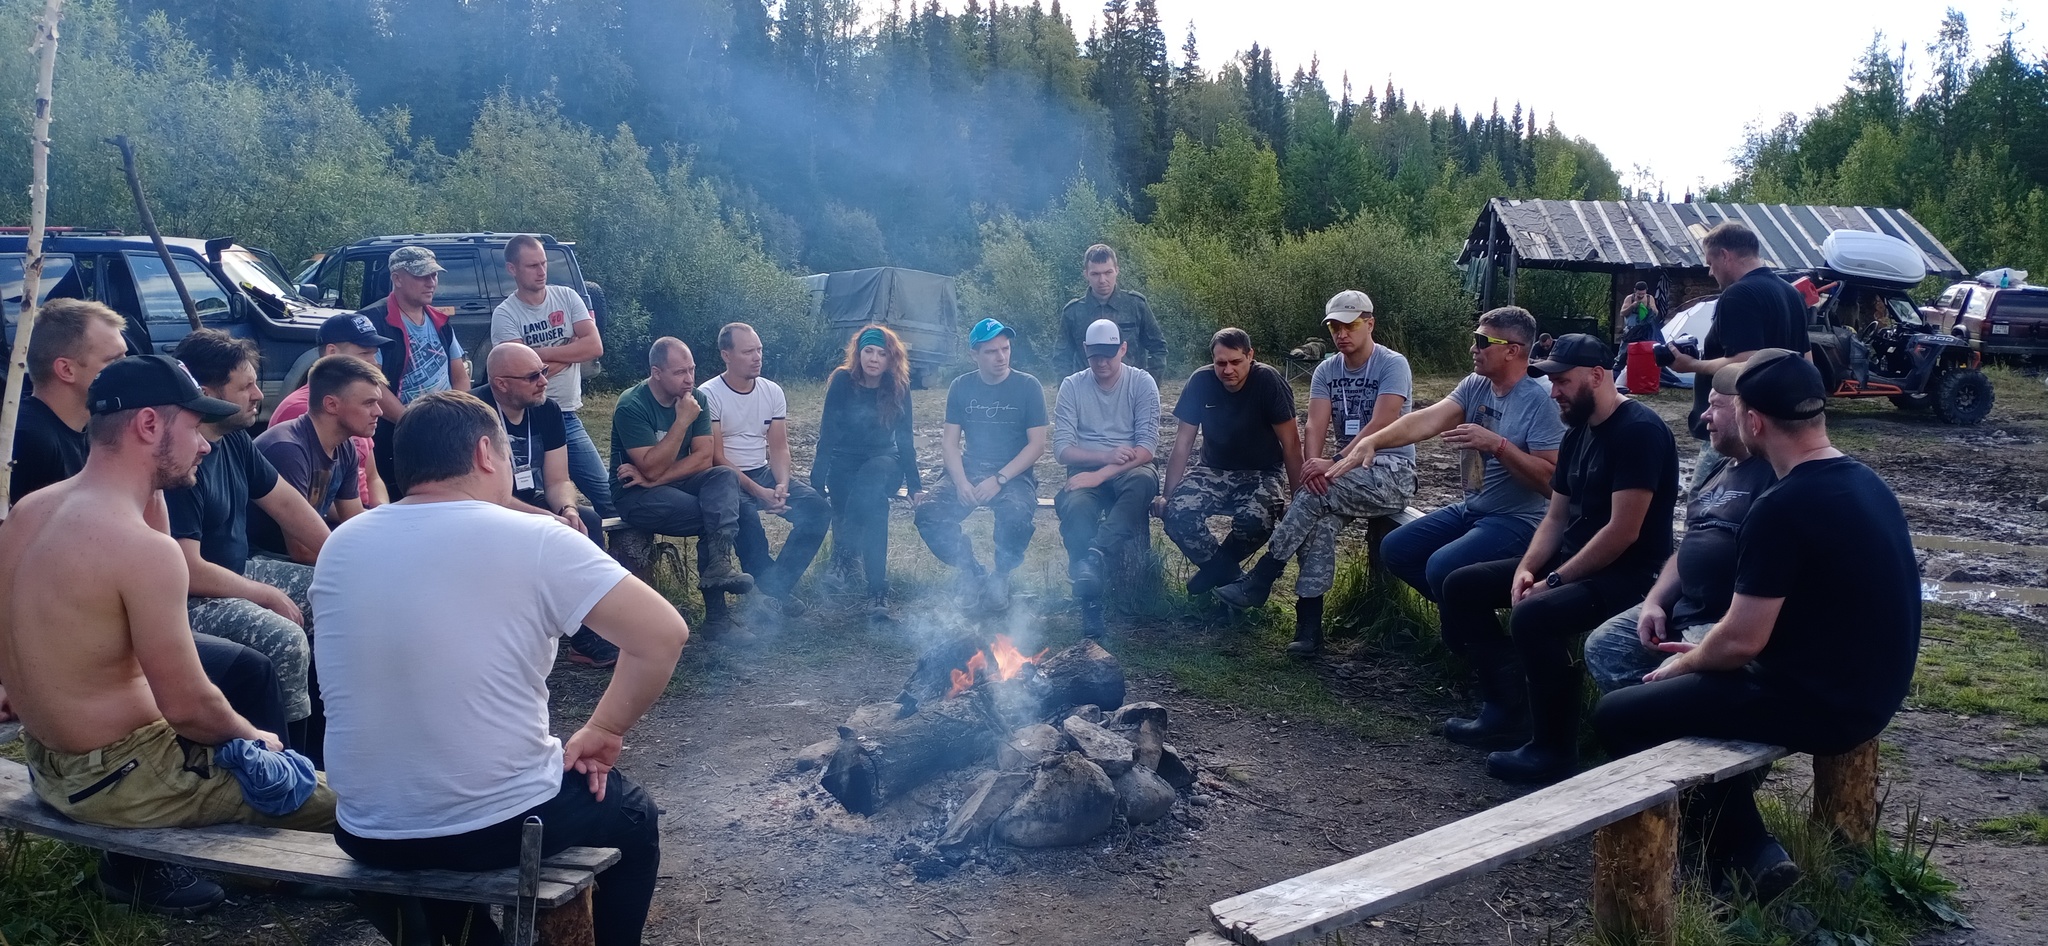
x=274, y=783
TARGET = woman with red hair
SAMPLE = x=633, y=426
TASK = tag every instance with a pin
x=866, y=451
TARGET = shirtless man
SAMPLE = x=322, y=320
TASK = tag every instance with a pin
x=107, y=682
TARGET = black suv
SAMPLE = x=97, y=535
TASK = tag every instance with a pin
x=475, y=282
x=237, y=289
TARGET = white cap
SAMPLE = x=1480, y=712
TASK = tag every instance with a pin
x=1103, y=338
x=1347, y=306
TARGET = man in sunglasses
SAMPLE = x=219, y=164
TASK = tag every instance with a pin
x=1506, y=432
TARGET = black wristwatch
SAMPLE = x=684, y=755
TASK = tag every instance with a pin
x=1002, y=480
x=1553, y=580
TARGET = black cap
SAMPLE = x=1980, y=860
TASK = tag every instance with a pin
x=353, y=328
x=1775, y=383
x=1573, y=351
x=153, y=381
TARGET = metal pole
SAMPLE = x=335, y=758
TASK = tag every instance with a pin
x=38, y=219
x=149, y=225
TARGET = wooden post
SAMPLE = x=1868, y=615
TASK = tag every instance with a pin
x=149, y=226
x=1845, y=792
x=568, y=924
x=1633, y=864
x=1376, y=530
x=38, y=218
x=633, y=548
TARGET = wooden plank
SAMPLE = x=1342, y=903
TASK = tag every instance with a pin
x=290, y=855
x=1207, y=939
x=1302, y=908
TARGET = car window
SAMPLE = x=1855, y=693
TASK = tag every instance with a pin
x=159, y=297
x=2022, y=305
x=461, y=276
x=58, y=271
x=1903, y=312
x=1953, y=297
x=1979, y=301
x=559, y=272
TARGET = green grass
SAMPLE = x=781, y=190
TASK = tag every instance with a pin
x=1977, y=664
x=2027, y=828
x=2023, y=764
x=41, y=901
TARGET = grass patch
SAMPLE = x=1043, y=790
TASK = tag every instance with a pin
x=1977, y=664
x=2027, y=828
x=2023, y=764
x=41, y=901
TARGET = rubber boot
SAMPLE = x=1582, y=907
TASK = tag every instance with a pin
x=1552, y=753
x=720, y=569
x=1503, y=720
x=1308, y=627
x=1252, y=590
x=1221, y=568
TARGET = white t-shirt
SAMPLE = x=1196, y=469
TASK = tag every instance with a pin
x=551, y=323
x=434, y=665
x=743, y=419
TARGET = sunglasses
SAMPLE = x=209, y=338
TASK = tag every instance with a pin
x=534, y=378
x=1483, y=340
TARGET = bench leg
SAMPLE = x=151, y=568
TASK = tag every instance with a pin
x=568, y=924
x=1634, y=861
x=1845, y=793
x=634, y=548
x=1375, y=531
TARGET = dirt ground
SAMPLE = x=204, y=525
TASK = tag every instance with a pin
x=755, y=853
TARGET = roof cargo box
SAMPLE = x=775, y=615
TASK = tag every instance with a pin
x=1873, y=257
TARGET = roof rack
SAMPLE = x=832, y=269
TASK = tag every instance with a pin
x=485, y=236
x=66, y=231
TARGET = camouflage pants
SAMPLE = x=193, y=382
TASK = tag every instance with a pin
x=252, y=625
x=1310, y=527
x=1253, y=499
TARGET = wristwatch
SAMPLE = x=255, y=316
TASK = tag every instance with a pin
x=1553, y=580
x=1002, y=480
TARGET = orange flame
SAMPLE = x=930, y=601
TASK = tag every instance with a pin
x=1009, y=662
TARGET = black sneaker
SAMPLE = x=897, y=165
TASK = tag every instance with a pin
x=590, y=650
x=156, y=887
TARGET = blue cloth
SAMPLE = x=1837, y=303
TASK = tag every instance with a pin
x=274, y=783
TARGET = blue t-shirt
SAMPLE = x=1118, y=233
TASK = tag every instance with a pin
x=1353, y=395
x=1529, y=420
x=428, y=371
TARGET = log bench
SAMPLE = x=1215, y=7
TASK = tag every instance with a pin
x=1631, y=805
x=555, y=888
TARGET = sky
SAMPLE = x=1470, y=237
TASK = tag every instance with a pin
x=1670, y=87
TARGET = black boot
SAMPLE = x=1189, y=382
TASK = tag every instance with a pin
x=1222, y=568
x=1308, y=627
x=1252, y=590
x=1552, y=754
x=1503, y=721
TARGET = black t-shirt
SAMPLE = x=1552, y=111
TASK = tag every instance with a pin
x=1633, y=449
x=1831, y=540
x=539, y=430
x=995, y=420
x=45, y=448
x=1706, y=556
x=1237, y=427
x=215, y=510
x=1758, y=311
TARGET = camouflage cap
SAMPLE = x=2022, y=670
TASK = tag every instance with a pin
x=417, y=260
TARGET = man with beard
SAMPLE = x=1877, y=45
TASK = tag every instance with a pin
x=315, y=452
x=1607, y=531
x=100, y=661
x=250, y=600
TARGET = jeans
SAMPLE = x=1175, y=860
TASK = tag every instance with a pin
x=1616, y=657
x=1014, y=506
x=860, y=513
x=1425, y=552
x=626, y=819
x=705, y=502
x=586, y=468
x=1104, y=517
x=809, y=516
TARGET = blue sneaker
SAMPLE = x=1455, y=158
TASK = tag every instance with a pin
x=590, y=650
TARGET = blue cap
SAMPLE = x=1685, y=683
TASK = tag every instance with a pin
x=987, y=329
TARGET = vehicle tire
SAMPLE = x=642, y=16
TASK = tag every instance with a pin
x=1913, y=402
x=1962, y=396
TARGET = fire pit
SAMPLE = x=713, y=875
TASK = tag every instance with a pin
x=1065, y=756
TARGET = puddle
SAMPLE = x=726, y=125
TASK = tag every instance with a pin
x=1949, y=543
x=1990, y=597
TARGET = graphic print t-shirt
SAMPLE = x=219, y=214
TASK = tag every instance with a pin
x=1353, y=394
x=427, y=370
x=995, y=419
x=551, y=323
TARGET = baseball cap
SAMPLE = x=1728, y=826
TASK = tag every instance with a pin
x=417, y=260
x=354, y=329
x=152, y=381
x=1347, y=307
x=987, y=330
x=1775, y=383
x=1103, y=339
x=1573, y=351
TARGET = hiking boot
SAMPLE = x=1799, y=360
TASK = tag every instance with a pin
x=764, y=611
x=878, y=611
x=1308, y=627
x=156, y=887
x=1091, y=619
x=1498, y=726
x=1217, y=571
x=590, y=650
x=720, y=569
x=995, y=592
x=1533, y=764
x=967, y=585
x=1087, y=573
x=1764, y=877
x=1252, y=590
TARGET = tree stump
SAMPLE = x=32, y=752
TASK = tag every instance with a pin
x=1376, y=530
x=1633, y=861
x=1845, y=793
x=633, y=548
x=568, y=924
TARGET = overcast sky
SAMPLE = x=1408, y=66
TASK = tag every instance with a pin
x=1668, y=86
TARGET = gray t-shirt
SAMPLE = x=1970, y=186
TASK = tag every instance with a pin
x=1353, y=394
x=551, y=323
x=1126, y=415
x=1528, y=419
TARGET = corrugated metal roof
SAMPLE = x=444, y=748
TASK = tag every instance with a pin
x=1611, y=235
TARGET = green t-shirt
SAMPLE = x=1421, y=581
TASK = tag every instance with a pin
x=641, y=421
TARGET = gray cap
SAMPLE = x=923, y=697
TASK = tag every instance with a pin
x=417, y=260
x=1347, y=306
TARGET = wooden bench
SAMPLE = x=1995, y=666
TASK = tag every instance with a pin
x=1631, y=804
x=555, y=888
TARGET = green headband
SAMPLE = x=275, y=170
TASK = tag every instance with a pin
x=873, y=336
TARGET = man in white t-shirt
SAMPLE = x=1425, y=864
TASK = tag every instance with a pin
x=438, y=738
x=553, y=321
x=750, y=433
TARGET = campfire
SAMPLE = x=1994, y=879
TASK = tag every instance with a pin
x=1063, y=754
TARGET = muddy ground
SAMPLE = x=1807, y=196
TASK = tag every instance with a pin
x=756, y=854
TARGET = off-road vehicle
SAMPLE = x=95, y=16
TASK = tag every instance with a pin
x=1869, y=340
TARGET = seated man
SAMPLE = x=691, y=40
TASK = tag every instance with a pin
x=750, y=435
x=349, y=334
x=438, y=730
x=316, y=453
x=250, y=600
x=120, y=722
x=1507, y=433
x=1606, y=532
x=1353, y=394
x=995, y=430
x=1244, y=412
x=664, y=479
x=1105, y=427
x=1817, y=647
x=1693, y=590
x=73, y=340
x=540, y=462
